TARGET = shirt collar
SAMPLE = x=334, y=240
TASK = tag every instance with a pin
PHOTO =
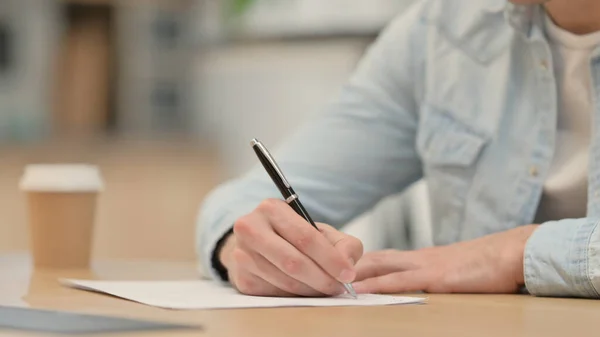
x=483, y=35
x=525, y=19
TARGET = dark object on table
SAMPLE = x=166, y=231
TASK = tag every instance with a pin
x=75, y=323
x=6, y=47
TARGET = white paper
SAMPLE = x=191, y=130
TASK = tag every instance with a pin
x=201, y=294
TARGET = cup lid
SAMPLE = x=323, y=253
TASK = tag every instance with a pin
x=61, y=178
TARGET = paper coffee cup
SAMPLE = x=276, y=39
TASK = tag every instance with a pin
x=61, y=204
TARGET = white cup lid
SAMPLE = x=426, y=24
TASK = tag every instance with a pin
x=61, y=178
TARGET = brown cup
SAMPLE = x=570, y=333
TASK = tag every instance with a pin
x=61, y=204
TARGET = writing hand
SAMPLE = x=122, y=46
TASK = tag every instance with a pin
x=275, y=252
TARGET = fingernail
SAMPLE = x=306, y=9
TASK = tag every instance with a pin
x=347, y=276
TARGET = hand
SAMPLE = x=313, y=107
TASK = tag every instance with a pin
x=275, y=252
x=491, y=264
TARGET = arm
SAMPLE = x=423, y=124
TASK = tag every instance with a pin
x=562, y=258
x=361, y=149
x=558, y=258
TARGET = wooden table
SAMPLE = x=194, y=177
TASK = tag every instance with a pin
x=443, y=315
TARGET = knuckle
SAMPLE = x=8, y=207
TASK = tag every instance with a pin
x=268, y=206
x=331, y=287
x=305, y=241
x=292, y=266
x=239, y=257
x=293, y=286
x=376, y=258
x=243, y=227
x=325, y=227
x=245, y=285
x=436, y=281
x=357, y=246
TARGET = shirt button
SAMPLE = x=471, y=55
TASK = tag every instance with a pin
x=544, y=64
x=533, y=171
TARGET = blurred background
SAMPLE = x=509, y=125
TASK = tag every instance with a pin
x=164, y=96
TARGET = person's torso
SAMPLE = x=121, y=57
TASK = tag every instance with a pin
x=565, y=190
x=488, y=121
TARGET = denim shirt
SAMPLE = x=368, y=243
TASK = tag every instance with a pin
x=460, y=93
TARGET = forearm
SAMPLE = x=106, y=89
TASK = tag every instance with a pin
x=360, y=150
x=336, y=181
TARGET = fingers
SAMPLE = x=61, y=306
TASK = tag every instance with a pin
x=250, y=284
x=247, y=282
x=385, y=262
x=307, y=240
x=394, y=283
x=277, y=252
x=349, y=246
x=297, y=265
x=261, y=267
x=283, y=255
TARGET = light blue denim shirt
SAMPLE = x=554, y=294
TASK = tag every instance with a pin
x=461, y=93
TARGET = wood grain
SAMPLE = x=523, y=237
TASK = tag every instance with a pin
x=443, y=315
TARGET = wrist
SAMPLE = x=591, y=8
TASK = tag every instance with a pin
x=216, y=256
x=224, y=254
x=525, y=233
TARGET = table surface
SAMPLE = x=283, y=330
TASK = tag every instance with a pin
x=442, y=315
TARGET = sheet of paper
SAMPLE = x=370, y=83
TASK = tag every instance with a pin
x=202, y=294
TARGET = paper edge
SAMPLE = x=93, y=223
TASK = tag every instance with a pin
x=72, y=283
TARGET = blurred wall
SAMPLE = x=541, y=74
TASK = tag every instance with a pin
x=269, y=86
x=266, y=90
x=284, y=18
x=176, y=67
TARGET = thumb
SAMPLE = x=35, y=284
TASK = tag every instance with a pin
x=350, y=246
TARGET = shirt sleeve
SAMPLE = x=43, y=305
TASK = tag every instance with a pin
x=360, y=149
x=562, y=259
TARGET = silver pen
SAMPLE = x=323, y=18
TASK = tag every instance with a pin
x=290, y=196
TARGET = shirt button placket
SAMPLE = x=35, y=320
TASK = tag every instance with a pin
x=534, y=171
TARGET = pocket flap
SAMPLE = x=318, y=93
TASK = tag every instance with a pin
x=449, y=141
x=453, y=148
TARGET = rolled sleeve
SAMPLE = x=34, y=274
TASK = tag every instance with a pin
x=218, y=221
x=562, y=259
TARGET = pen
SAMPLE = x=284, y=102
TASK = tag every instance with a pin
x=288, y=193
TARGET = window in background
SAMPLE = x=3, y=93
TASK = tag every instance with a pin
x=6, y=48
x=273, y=18
x=154, y=61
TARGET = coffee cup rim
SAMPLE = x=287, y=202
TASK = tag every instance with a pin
x=61, y=178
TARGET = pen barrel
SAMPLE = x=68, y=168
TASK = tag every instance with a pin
x=272, y=172
x=298, y=208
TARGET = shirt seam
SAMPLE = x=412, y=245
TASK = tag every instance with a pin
x=529, y=276
x=595, y=291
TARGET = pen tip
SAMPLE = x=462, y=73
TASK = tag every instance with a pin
x=253, y=142
x=350, y=290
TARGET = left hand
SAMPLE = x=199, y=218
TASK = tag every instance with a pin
x=490, y=264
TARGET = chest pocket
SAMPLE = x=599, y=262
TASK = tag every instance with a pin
x=449, y=150
x=445, y=141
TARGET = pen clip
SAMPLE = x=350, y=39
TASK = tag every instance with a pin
x=256, y=143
